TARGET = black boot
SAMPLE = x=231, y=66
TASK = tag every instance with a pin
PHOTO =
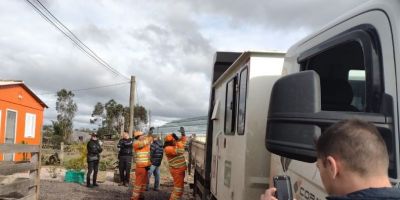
x=88, y=181
x=94, y=182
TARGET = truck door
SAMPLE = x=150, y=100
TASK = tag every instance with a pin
x=356, y=70
x=355, y=64
x=223, y=128
x=214, y=167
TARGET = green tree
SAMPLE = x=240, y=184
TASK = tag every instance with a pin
x=114, y=117
x=140, y=116
x=98, y=115
x=47, y=130
x=108, y=116
x=66, y=109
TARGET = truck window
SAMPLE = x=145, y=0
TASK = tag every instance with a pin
x=350, y=70
x=340, y=69
x=230, y=106
x=351, y=77
x=242, y=101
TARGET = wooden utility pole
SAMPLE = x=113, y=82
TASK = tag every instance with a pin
x=132, y=105
x=121, y=120
x=149, y=118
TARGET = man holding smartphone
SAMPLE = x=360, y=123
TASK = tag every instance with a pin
x=353, y=162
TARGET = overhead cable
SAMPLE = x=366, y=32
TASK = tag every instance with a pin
x=91, y=88
x=49, y=17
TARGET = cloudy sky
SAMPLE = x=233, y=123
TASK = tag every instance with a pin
x=168, y=45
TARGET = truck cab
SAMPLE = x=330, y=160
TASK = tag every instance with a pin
x=346, y=70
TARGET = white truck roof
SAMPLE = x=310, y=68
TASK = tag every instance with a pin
x=390, y=7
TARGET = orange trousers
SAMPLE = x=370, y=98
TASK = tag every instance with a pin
x=178, y=174
x=140, y=183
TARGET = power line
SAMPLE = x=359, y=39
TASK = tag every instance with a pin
x=70, y=35
x=91, y=88
x=102, y=61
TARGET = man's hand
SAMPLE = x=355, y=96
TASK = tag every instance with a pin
x=269, y=194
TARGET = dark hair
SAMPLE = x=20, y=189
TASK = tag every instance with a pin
x=168, y=143
x=357, y=143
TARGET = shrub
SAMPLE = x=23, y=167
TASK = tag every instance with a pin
x=55, y=141
x=79, y=162
x=103, y=165
x=76, y=164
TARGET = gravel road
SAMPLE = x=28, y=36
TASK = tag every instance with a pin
x=55, y=190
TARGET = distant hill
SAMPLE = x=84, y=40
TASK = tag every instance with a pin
x=197, y=125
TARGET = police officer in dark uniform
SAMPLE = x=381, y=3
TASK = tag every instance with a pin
x=93, y=157
x=125, y=158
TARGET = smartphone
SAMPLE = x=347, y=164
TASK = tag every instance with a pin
x=283, y=188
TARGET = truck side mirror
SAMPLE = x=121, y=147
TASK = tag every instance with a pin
x=293, y=98
x=295, y=119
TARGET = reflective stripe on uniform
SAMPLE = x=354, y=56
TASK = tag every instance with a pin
x=140, y=183
x=178, y=161
x=142, y=158
x=176, y=194
x=180, y=151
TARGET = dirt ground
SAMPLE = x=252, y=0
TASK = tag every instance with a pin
x=52, y=190
x=56, y=188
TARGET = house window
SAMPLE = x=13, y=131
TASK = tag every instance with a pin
x=30, y=122
x=242, y=101
x=230, y=107
x=10, y=128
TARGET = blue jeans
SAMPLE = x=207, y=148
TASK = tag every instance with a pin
x=156, y=171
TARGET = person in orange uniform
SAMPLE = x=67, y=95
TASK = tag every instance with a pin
x=174, y=149
x=141, y=145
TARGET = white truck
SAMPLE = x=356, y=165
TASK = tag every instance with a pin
x=233, y=163
x=346, y=70
x=349, y=69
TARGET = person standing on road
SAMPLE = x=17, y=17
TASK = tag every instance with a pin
x=141, y=145
x=353, y=163
x=125, y=146
x=93, y=157
x=156, y=155
x=174, y=149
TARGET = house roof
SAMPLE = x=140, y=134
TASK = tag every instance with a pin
x=4, y=83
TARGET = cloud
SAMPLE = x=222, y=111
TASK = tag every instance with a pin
x=168, y=46
x=281, y=14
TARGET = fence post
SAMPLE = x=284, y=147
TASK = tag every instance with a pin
x=62, y=153
x=35, y=175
